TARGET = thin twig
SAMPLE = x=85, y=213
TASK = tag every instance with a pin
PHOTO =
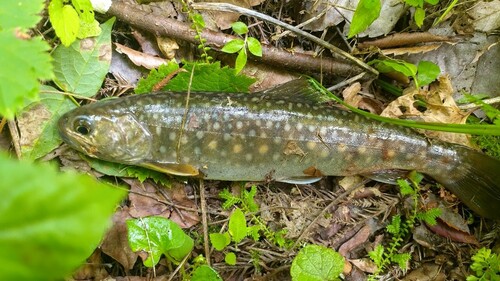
x=183, y=262
x=184, y=117
x=346, y=82
x=14, y=134
x=252, y=13
x=204, y=221
x=474, y=105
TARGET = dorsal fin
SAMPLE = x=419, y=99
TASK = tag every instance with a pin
x=298, y=90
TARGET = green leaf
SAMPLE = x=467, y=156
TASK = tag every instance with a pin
x=205, y=273
x=427, y=72
x=405, y=188
x=248, y=199
x=395, y=226
x=419, y=16
x=241, y=61
x=389, y=65
x=238, y=225
x=146, y=85
x=254, y=46
x=401, y=259
x=366, y=13
x=209, y=78
x=239, y=27
x=38, y=124
x=220, y=240
x=230, y=258
x=415, y=3
x=82, y=67
x=89, y=29
x=51, y=221
x=315, y=262
x=157, y=236
x=233, y=46
x=377, y=255
x=31, y=62
x=432, y=2
x=430, y=216
x=198, y=20
x=84, y=10
x=20, y=14
x=64, y=20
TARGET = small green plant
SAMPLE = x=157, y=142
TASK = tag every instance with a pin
x=314, y=262
x=201, y=271
x=73, y=19
x=198, y=24
x=368, y=11
x=485, y=265
x=399, y=229
x=419, y=9
x=240, y=46
x=422, y=75
x=238, y=228
x=157, y=236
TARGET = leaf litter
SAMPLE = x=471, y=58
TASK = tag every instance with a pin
x=351, y=226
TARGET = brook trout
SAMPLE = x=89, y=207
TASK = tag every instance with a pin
x=287, y=134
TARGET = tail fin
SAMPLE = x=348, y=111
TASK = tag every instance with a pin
x=476, y=181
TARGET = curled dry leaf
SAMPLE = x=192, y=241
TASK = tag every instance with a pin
x=168, y=47
x=352, y=97
x=440, y=107
x=140, y=59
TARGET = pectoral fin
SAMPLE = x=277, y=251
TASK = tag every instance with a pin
x=173, y=169
x=300, y=180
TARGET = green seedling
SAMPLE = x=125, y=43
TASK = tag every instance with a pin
x=241, y=46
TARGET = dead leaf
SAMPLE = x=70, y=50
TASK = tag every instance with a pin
x=223, y=20
x=149, y=199
x=411, y=50
x=115, y=243
x=440, y=108
x=168, y=47
x=357, y=240
x=365, y=264
x=426, y=272
x=405, y=39
x=292, y=148
x=93, y=269
x=139, y=58
x=486, y=15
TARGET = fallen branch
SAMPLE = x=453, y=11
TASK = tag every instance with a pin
x=162, y=26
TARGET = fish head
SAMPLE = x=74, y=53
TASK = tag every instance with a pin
x=107, y=135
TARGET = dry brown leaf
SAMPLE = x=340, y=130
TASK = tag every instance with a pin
x=426, y=272
x=139, y=58
x=223, y=20
x=441, y=108
x=93, y=269
x=168, y=47
x=411, y=50
x=365, y=264
x=115, y=244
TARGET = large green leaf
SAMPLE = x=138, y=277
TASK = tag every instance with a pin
x=317, y=263
x=23, y=64
x=157, y=236
x=51, y=222
x=38, y=124
x=20, y=13
x=366, y=12
x=82, y=67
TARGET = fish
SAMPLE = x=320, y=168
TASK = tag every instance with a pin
x=291, y=133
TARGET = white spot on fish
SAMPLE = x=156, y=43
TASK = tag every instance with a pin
x=258, y=123
x=290, y=106
x=184, y=139
x=299, y=126
x=239, y=125
x=252, y=133
x=227, y=137
x=172, y=136
x=197, y=150
x=277, y=125
x=268, y=104
x=200, y=134
x=280, y=102
x=341, y=147
x=287, y=127
x=223, y=153
x=362, y=149
x=299, y=105
x=255, y=99
x=163, y=149
x=158, y=130
x=212, y=145
x=322, y=131
x=311, y=128
x=216, y=126
x=263, y=135
x=356, y=118
x=269, y=124
x=248, y=157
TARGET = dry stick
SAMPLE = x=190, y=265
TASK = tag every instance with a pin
x=162, y=26
x=204, y=222
x=486, y=101
x=346, y=82
x=14, y=134
x=252, y=13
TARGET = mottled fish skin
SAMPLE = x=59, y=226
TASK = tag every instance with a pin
x=260, y=136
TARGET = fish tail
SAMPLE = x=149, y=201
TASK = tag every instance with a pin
x=476, y=181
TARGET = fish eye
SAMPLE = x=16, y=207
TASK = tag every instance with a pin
x=82, y=126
